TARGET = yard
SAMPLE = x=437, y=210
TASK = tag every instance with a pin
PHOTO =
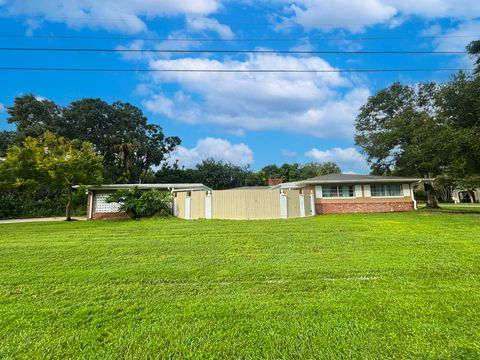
x=404, y=285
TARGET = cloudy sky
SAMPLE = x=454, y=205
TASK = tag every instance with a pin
x=246, y=118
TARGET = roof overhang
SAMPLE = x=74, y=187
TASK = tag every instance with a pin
x=365, y=181
x=169, y=187
x=386, y=179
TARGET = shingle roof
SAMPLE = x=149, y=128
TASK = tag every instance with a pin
x=357, y=178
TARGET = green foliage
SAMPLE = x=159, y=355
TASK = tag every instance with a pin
x=119, y=132
x=139, y=204
x=357, y=286
x=219, y=175
x=214, y=174
x=428, y=130
x=474, y=50
x=33, y=116
x=52, y=162
x=7, y=138
x=30, y=202
x=296, y=172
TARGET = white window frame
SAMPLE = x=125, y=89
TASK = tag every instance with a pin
x=341, y=197
x=387, y=196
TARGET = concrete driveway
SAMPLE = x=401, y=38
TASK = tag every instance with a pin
x=57, y=218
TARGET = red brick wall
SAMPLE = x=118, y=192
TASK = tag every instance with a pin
x=366, y=207
x=104, y=216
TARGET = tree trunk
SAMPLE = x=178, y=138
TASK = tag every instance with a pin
x=431, y=199
x=68, y=210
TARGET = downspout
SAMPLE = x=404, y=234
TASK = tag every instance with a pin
x=413, y=197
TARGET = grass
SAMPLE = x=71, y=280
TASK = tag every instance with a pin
x=403, y=286
x=461, y=208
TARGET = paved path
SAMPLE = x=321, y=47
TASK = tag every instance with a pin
x=57, y=218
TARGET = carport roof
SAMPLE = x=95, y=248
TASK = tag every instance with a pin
x=170, y=187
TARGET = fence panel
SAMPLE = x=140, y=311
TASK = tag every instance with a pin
x=293, y=203
x=246, y=204
x=180, y=204
x=308, y=207
x=198, y=205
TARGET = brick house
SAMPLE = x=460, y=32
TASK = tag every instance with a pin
x=345, y=193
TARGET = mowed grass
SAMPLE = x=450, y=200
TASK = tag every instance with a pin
x=365, y=286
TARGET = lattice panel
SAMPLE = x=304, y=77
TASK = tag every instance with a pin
x=102, y=206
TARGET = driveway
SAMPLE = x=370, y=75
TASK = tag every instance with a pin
x=57, y=218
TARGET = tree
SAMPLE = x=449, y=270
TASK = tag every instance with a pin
x=53, y=161
x=119, y=132
x=403, y=132
x=33, y=116
x=219, y=175
x=474, y=50
x=7, y=138
x=312, y=169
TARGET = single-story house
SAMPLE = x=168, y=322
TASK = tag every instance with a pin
x=333, y=193
x=345, y=193
x=462, y=195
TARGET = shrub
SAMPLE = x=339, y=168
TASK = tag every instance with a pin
x=28, y=202
x=140, y=204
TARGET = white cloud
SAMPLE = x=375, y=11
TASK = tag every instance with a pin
x=318, y=104
x=457, y=38
x=2, y=108
x=349, y=159
x=289, y=153
x=213, y=148
x=203, y=24
x=430, y=9
x=331, y=14
x=114, y=15
x=356, y=15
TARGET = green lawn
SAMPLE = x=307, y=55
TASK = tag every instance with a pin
x=334, y=286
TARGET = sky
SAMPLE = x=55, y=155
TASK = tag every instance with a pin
x=248, y=119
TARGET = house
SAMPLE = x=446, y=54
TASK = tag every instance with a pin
x=345, y=193
x=329, y=194
x=462, y=195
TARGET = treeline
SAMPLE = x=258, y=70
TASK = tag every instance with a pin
x=218, y=175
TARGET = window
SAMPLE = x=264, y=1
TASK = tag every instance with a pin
x=338, y=191
x=385, y=190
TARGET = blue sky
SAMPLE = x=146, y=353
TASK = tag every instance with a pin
x=244, y=118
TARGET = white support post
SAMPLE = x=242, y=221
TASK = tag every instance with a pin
x=312, y=202
x=188, y=207
x=90, y=205
x=283, y=205
x=301, y=200
x=208, y=205
x=175, y=206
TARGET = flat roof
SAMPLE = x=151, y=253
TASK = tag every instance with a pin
x=185, y=186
